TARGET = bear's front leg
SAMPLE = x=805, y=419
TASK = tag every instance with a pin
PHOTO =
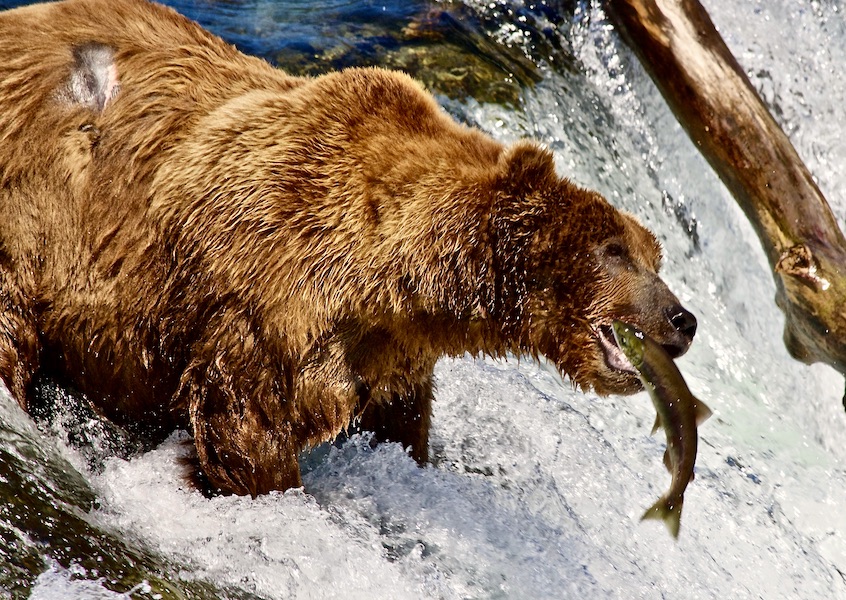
x=240, y=449
x=245, y=440
x=405, y=419
x=19, y=344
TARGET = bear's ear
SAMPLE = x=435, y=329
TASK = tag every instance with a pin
x=527, y=167
x=93, y=80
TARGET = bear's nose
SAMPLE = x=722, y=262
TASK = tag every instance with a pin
x=682, y=320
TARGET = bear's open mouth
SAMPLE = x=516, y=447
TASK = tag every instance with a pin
x=614, y=356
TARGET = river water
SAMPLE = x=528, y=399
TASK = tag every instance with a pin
x=535, y=489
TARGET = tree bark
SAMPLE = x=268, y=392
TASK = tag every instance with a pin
x=715, y=102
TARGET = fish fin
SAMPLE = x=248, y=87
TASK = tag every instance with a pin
x=668, y=462
x=668, y=511
x=702, y=412
x=657, y=425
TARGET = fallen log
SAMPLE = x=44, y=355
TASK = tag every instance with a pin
x=714, y=101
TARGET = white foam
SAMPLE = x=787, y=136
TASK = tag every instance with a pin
x=58, y=583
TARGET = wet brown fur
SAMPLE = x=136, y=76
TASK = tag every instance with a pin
x=261, y=258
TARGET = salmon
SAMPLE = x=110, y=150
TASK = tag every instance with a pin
x=679, y=413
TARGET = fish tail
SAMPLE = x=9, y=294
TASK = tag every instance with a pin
x=667, y=510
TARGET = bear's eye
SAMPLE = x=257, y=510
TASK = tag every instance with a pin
x=615, y=250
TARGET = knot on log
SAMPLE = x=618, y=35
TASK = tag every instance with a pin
x=798, y=261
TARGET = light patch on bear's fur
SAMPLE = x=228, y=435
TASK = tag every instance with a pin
x=93, y=81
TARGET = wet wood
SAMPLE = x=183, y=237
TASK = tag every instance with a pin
x=714, y=101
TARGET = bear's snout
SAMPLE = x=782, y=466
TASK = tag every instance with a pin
x=684, y=323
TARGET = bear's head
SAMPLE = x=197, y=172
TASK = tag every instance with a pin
x=627, y=287
x=587, y=264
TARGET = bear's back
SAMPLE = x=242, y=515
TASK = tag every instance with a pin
x=71, y=165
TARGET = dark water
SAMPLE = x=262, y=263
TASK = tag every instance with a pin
x=444, y=44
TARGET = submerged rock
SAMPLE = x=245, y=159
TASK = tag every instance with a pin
x=45, y=506
x=443, y=47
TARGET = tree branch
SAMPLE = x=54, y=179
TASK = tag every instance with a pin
x=718, y=107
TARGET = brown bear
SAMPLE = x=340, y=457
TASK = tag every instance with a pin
x=195, y=239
